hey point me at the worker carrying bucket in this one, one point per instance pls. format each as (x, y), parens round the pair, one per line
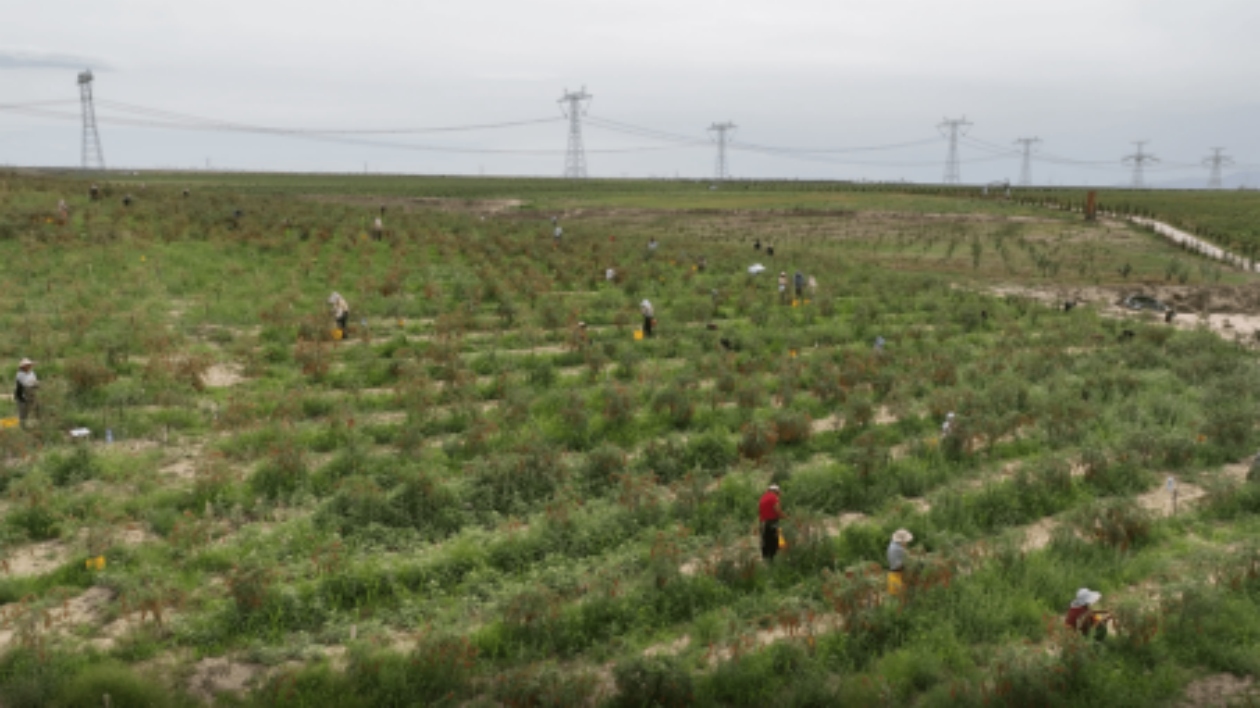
(897, 562)
(341, 313)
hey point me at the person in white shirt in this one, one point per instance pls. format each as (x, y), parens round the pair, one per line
(24, 392)
(648, 317)
(340, 310)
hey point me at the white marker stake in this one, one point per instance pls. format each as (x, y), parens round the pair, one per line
(1171, 486)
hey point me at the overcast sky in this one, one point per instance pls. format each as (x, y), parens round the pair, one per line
(1086, 76)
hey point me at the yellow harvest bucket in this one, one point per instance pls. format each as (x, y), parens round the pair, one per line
(338, 335)
(896, 586)
(6, 423)
(97, 563)
(796, 303)
(782, 541)
(638, 335)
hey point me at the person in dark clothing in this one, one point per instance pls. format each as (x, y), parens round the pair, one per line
(798, 281)
(770, 514)
(649, 317)
(757, 245)
(769, 250)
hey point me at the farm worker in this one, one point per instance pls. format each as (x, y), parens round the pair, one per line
(813, 286)
(555, 235)
(948, 425)
(879, 345)
(94, 192)
(649, 317)
(610, 274)
(1169, 315)
(757, 245)
(1085, 620)
(799, 281)
(580, 340)
(782, 285)
(127, 200)
(377, 229)
(652, 245)
(769, 250)
(897, 561)
(62, 210)
(24, 392)
(340, 310)
(702, 264)
(770, 513)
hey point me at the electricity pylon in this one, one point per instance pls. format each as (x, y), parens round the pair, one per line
(953, 171)
(1216, 161)
(93, 156)
(1140, 160)
(574, 105)
(721, 130)
(1025, 171)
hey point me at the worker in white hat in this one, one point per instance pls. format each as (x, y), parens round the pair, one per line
(340, 311)
(1083, 618)
(24, 392)
(897, 561)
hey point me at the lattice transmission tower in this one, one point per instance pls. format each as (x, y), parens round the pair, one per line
(1025, 170)
(574, 105)
(953, 169)
(1140, 160)
(721, 135)
(93, 156)
(1216, 161)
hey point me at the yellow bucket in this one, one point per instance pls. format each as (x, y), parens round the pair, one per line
(796, 303)
(6, 423)
(338, 335)
(782, 541)
(896, 586)
(638, 335)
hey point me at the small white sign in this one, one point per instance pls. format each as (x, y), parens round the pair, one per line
(80, 433)
(1171, 485)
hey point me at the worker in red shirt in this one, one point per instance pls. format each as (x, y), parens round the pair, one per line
(1082, 617)
(770, 514)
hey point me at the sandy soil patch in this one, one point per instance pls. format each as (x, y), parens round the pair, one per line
(1160, 500)
(1219, 690)
(36, 559)
(217, 675)
(223, 375)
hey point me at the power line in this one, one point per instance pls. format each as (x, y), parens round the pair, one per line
(1139, 160)
(575, 154)
(721, 129)
(953, 171)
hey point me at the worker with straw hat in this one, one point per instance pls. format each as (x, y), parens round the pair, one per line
(24, 392)
(1085, 620)
(897, 561)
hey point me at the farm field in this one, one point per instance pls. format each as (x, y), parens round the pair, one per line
(469, 501)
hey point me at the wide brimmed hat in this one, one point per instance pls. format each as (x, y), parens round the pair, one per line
(25, 362)
(902, 536)
(774, 487)
(1085, 596)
